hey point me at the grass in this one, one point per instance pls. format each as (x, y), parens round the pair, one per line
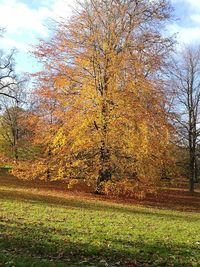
(46, 228)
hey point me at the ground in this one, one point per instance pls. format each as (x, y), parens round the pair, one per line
(49, 226)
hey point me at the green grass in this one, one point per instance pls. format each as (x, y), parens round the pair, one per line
(44, 228)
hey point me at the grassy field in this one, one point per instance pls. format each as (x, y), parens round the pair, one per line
(43, 227)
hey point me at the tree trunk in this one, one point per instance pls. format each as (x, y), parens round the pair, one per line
(196, 170)
(16, 155)
(49, 168)
(192, 172)
(191, 186)
(105, 168)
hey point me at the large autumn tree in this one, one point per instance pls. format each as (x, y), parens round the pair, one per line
(103, 69)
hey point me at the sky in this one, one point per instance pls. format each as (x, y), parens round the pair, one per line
(25, 20)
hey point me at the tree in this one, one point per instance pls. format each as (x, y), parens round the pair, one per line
(8, 78)
(11, 94)
(185, 78)
(15, 131)
(102, 67)
(44, 122)
(10, 132)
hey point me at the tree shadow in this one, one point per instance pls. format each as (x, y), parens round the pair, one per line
(38, 242)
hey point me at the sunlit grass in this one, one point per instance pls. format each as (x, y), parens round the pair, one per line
(40, 229)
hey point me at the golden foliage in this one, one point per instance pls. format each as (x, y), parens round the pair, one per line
(101, 112)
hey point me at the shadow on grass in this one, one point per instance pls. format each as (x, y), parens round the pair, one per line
(35, 242)
(92, 205)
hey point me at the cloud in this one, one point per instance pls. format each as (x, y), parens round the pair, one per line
(187, 25)
(25, 21)
(193, 3)
(61, 8)
(24, 24)
(18, 17)
(185, 35)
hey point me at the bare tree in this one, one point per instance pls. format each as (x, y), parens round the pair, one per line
(185, 77)
(8, 78)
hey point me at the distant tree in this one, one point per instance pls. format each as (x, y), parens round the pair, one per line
(8, 78)
(12, 98)
(14, 132)
(185, 78)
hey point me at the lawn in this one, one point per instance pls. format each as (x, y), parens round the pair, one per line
(41, 227)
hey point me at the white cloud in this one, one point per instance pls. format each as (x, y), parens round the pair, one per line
(16, 16)
(187, 26)
(61, 8)
(25, 24)
(185, 35)
(10, 43)
(191, 3)
(25, 21)
(195, 18)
